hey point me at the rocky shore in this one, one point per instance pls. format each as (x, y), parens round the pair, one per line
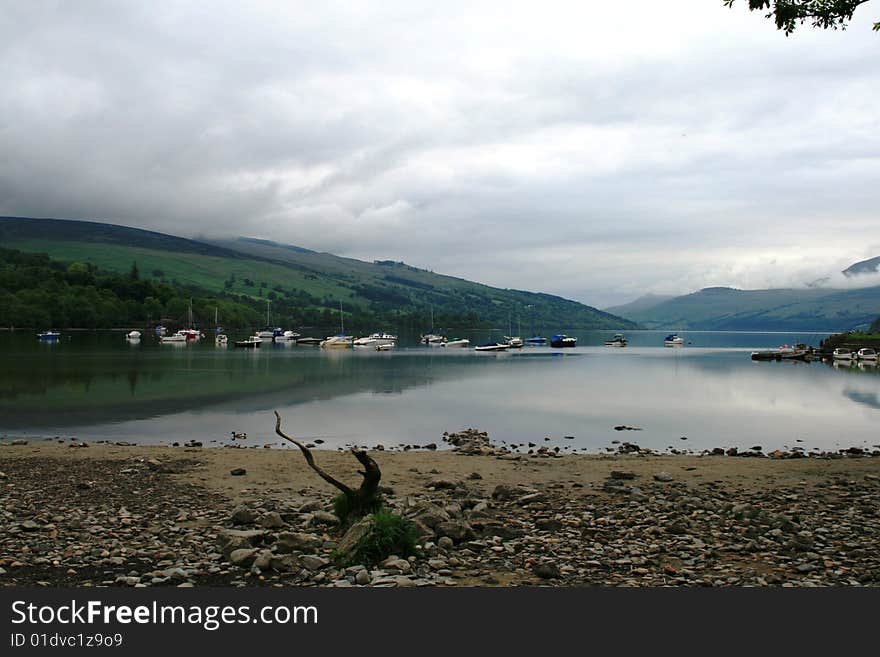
(153, 516)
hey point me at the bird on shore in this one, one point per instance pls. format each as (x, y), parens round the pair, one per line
(238, 435)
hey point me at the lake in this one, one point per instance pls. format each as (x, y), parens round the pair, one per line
(96, 386)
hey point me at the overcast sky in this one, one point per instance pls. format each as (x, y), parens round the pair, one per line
(597, 150)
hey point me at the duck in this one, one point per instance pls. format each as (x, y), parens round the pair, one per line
(238, 435)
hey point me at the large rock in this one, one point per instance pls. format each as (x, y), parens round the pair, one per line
(243, 516)
(243, 557)
(324, 518)
(290, 541)
(236, 539)
(430, 515)
(353, 536)
(314, 562)
(271, 520)
(456, 530)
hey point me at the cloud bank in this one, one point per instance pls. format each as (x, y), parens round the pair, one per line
(593, 150)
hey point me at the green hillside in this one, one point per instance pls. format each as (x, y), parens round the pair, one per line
(722, 308)
(307, 281)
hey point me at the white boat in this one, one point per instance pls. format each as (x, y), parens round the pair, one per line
(340, 340)
(133, 335)
(842, 353)
(221, 339)
(673, 340)
(49, 335)
(461, 342)
(252, 342)
(177, 337)
(514, 342)
(617, 341)
(433, 340)
(491, 346)
(286, 336)
(867, 353)
(375, 339)
(160, 330)
(337, 342)
(385, 347)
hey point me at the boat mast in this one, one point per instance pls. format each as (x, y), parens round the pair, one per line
(341, 320)
(189, 314)
(267, 313)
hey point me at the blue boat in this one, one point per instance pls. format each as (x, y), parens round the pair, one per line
(49, 335)
(537, 339)
(562, 340)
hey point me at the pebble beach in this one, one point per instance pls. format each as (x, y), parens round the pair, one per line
(110, 515)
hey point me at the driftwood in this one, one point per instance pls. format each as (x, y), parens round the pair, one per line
(362, 500)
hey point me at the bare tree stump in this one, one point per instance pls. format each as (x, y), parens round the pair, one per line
(360, 501)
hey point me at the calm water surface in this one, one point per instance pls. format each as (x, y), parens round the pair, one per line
(95, 386)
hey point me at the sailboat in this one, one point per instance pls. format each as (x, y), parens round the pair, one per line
(268, 333)
(340, 341)
(190, 333)
(432, 338)
(514, 342)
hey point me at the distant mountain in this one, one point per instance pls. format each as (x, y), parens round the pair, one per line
(870, 266)
(724, 308)
(382, 291)
(641, 304)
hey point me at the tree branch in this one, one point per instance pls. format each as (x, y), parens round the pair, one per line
(314, 466)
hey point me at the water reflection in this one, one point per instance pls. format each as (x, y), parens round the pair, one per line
(712, 396)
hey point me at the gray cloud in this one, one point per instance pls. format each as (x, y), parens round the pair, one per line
(596, 152)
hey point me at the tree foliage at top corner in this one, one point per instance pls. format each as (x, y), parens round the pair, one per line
(825, 14)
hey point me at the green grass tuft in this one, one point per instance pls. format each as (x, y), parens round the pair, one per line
(389, 534)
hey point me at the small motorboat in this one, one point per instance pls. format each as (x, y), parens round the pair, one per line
(562, 340)
(673, 340)
(49, 335)
(457, 342)
(375, 340)
(617, 341)
(339, 341)
(285, 336)
(133, 335)
(221, 340)
(433, 340)
(388, 346)
(252, 342)
(514, 342)
(842, 353)
(536, 340)
(491, 346)
(308, 340)
(177, 337)
(867, 353)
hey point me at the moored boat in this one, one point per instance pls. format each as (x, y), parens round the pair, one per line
(491, 346)
(842, 353)
(133, 336)
(673, 340)
(514, 342)
(561, 340)
(537, 340)
(308, 340)
(221, 340)
(867, 353)
(49, 335)
(617, 341)
(457, 342)
(337, 342)
(252, 342)
(375, 339)
(177, 337)
(433, 340)
(385, 347)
